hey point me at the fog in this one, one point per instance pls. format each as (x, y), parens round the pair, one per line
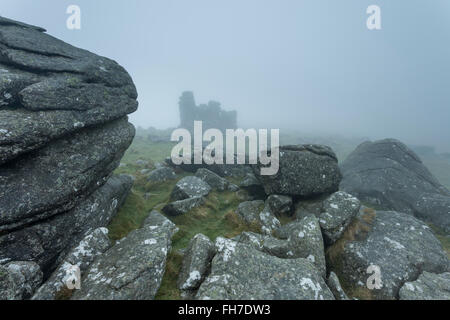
(312, 66)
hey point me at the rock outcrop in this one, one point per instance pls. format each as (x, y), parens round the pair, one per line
(63, 131)
(390, 176)
(428, 286)
(305, 171)
(401, 246)
(134, 267)
(240, 272)
(211, 115)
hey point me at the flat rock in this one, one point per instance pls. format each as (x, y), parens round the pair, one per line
(215, 181)
(162, 174)
(180, 207)
(240, 272)
(19, 280)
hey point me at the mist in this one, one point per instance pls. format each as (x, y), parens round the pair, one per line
(309, 66)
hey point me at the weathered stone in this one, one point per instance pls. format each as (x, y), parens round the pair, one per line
(91, 247)
(190, 187)
(43, 242)
(305, 170)
(390, 176)
(196, 262)
(57, 177)
(213, 180)
(398, 244)
(335, 287)
(133, 268)
(180, 207)
(161, 175)
(339, 210)
(240, 272)
(428, 286)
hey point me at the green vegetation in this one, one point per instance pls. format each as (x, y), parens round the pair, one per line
(215, 218)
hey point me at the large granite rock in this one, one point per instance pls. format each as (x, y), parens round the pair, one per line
(240, 272)
(51, 89)
(19, 280)
(398, 244)
(133, 268)
(45, 241)
(63, 130)
(57, 177)
(390, 176)
(196, 262)
(305, 170)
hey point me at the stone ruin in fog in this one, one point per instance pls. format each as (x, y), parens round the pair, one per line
(211, 114)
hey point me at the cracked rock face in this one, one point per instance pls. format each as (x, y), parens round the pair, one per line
(63, 130)
(400, 245)
(190, 187)
(240, 272)
(305, 170)
(339, 210)
(133, 268)
(388, 175)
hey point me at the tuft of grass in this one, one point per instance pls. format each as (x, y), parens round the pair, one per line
(168, 289)
(442, 237)
(358, 230)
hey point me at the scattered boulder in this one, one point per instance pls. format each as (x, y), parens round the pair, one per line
(92, 246)
(249, 210)
(279, 204)
(196, 262)
(162, 174)
(390, 176)
(339, 210)
(213, 180)
(190, 187)
(305, 170)
(398, 244)
(180, 207)
(240, 272)
(428, 286)
(268, 220)
(19, 280)
(133, 268)
(253, 186)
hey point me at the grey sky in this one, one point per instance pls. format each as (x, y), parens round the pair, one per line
(308, 65)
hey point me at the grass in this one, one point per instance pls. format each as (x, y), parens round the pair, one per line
(442, 237)
(356, 231)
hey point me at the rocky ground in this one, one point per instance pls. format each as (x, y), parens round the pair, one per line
(74, 193)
